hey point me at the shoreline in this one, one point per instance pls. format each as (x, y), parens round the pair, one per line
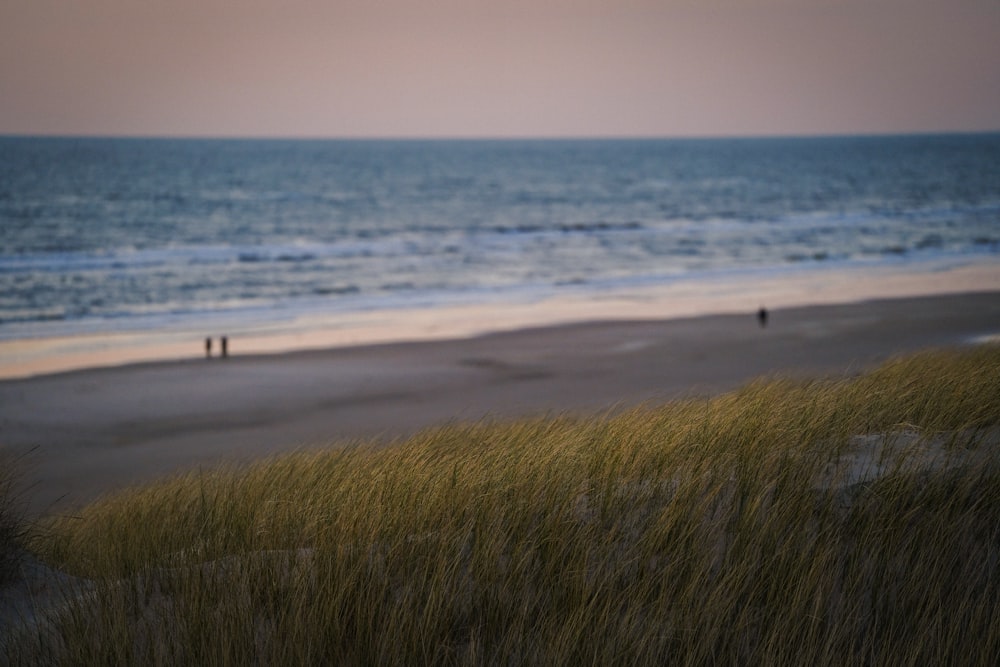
(740, 292)
(89, 432)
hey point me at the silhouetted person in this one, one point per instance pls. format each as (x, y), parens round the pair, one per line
(208, 348)
(762, 317)
(225, 346)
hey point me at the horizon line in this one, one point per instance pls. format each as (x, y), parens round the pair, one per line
(492, 138)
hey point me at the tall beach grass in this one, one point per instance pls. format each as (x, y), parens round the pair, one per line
(830, 522)
(14, 527)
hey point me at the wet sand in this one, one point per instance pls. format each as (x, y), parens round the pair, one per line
(89, 432)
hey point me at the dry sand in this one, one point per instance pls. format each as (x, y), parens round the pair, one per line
(93, 431)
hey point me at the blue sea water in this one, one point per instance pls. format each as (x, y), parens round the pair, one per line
(131, 234)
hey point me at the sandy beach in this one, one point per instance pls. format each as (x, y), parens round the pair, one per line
(88, 432)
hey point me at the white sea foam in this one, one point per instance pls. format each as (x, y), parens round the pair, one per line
(270, 329)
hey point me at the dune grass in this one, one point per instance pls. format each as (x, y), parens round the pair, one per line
(832, 522)
(14, 528)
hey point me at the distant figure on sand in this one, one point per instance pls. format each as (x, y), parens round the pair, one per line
(208, 348)
(225, 346)
(762, 317)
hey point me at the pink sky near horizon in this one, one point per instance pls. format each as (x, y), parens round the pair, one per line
(505, 68)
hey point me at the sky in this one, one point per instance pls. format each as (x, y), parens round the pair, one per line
(498, 68)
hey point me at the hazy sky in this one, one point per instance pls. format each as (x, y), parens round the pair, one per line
(345, 68)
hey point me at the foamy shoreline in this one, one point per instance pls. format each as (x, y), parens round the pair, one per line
(740, 292)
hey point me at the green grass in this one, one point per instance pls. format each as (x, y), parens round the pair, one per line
(727, 530)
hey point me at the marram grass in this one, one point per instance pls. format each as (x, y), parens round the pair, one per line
(833, 522)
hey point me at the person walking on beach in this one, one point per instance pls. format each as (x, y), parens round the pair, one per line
(762, 317)
(225, 346)
(208, 347)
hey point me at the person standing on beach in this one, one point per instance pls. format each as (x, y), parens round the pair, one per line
(762, 317)
(208, 347)
(224, 341)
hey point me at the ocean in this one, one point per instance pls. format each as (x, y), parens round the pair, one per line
(104, 236)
